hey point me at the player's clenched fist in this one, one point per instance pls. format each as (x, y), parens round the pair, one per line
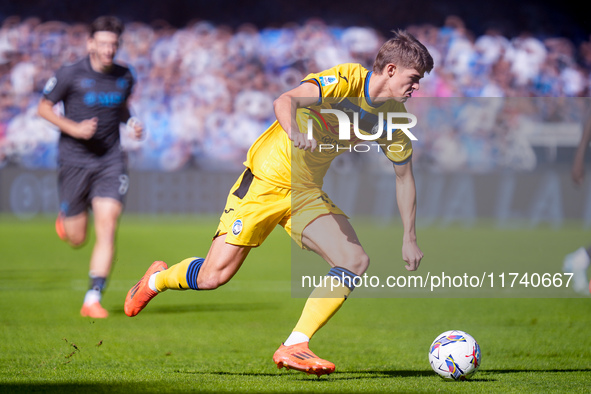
(135, 127)
(86, 128)
(412, 255)
(301, 141)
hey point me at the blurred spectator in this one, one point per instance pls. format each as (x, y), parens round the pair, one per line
(205, 91)
(526, 55)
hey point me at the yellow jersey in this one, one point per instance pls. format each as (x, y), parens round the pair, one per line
(345, 88)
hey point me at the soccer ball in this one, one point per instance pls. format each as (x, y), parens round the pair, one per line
(455, 355)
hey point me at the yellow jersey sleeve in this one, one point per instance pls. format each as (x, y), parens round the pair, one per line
(344, 80)
(398, 149)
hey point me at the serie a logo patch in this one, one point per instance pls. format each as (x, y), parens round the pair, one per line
(328, 80)
(237, 227)
(49, 85)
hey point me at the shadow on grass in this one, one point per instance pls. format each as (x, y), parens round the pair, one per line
(128, 387)
(360, 375)
(221, 307)
(336, 376)
(292, 375)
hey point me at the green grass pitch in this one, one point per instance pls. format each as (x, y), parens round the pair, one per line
(223, 340)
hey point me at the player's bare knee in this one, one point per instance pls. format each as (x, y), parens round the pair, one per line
(77, 240)
(357, 264)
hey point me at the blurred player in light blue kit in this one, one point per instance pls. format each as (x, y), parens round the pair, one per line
(577, 262)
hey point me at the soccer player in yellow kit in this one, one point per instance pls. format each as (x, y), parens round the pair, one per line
(282, 185)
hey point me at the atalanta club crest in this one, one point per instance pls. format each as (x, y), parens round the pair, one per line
(237, 227)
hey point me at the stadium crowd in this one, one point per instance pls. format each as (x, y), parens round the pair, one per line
(205, 91)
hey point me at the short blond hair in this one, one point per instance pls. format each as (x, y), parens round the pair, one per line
(404, 50)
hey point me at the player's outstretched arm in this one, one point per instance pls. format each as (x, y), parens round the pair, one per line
(285, 110)
(407, 205)
(83, 130)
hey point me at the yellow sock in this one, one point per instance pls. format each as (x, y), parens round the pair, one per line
(181, 276)
(320, 307)
(325, 301)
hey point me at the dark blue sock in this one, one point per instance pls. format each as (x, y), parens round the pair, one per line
(97, 283)
(193, 272)
(346, 277)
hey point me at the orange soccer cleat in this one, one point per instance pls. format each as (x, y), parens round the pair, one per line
(301, 358)
(140, 294)
(59, 226)
(94, 310)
